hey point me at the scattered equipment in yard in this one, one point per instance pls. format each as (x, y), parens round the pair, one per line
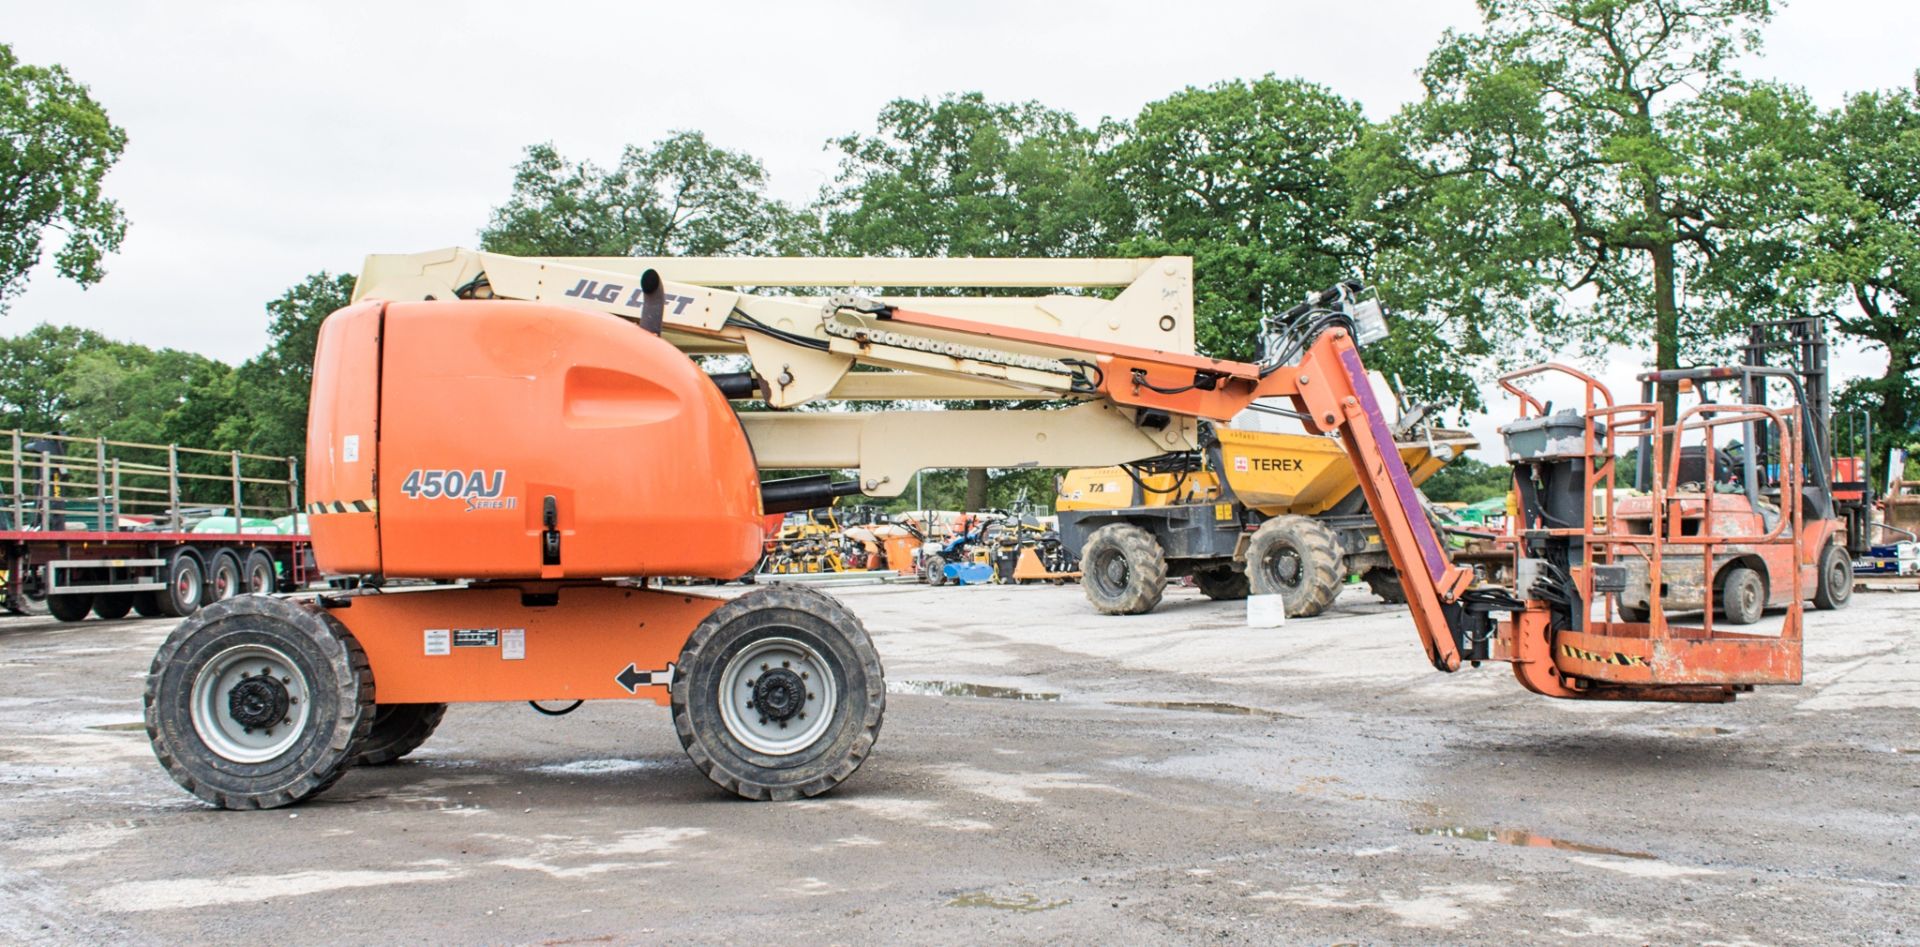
(101, 527)
(610, 454)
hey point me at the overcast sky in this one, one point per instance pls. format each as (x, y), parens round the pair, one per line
(268, 140)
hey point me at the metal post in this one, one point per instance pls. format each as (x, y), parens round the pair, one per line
(116, 495)
(99, 483)
(173, 486)
(237, 512)
(19, 497)
(917, 500)
(293, 490)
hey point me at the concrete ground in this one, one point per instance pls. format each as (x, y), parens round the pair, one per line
(1045, 775)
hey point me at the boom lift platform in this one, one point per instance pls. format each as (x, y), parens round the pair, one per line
(539, 432)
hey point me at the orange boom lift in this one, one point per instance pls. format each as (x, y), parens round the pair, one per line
(536, 458)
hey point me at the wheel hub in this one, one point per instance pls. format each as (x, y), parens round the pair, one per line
(258, 701)
(779, 694)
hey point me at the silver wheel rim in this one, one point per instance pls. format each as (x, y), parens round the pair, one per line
(186, 588)
(226, 581)
(767, 732)
(213, 690)
(260, 581)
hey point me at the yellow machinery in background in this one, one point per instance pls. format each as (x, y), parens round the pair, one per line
(1249, 511)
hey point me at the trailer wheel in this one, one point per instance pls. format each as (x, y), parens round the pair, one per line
(258, 702)
(112, 605)
(261, 577)
(186, 584)
(1221, 583)
(1123, 570)
(779, 694)
(1836, 578)
(1743, 596)
(151, 604)
(398, 729)
(224, 578)
(936, 570)
(1385, 584)
(70, 606)
(1298, 558)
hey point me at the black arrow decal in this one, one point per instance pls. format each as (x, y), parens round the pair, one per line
(632, 678)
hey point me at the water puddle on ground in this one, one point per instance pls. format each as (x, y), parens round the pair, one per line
(133, 726)
(1524, 839)
(1698, 731)
(964, 689)
(1200, 707)
(1022, 903)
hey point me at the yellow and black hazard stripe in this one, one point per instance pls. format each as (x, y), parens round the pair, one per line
(342, 506)
(1624, 660)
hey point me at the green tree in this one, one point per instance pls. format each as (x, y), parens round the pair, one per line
(271, 418)
(963, 176)
(56, 146)
(1563, 149)
(683, 196)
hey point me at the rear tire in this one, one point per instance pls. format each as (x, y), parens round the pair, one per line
(186, 585)
(1385, 584)
(1297, 558)
(779, 694)
(224, 577)
(113, 605)
(258, 702)
(398, 729)
(1123, 570)
(1743, 596)
(70, 606)
(261, 578)
(1836, 579)
(1221, 583)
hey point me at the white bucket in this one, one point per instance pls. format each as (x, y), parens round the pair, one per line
(1266, 611)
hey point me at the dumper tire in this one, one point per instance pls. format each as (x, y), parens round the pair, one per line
(1298, 558)
(202, 694)
(1835, 586)
(1385, 585)
(721, 686)
(1123, 570)
(70, 606)
(1221, 583)
(398, 729)
(1743, 596)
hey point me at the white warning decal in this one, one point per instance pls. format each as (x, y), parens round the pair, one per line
(513, 644)
(439, 641)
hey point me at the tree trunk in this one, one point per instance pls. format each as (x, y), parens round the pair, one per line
(1666, 326)
(976, 489)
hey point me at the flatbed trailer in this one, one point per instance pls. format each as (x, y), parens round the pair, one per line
(92, 526)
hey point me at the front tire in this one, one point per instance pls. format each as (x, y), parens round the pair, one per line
(779, 694)
(1743, 596)
(1836, 579)
(1123, 570)
(1297, 558)
(258, 702)
(398, 729)
(936, 568)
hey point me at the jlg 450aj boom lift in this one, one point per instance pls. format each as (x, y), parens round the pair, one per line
(537, 435)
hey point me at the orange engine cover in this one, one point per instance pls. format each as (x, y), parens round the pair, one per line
(441, 432)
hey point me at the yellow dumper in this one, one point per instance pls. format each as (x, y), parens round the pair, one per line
(1251, 510)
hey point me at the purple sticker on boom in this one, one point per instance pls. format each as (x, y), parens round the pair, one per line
(1396, 468)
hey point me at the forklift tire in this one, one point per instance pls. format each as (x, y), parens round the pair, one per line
(1743, 596)
(398, 729)
(224, 578)
(258, 702)
(70, 606)
(1298, 558)
(260, 576)
(1385, 585)
(1221, 583)
(112, 605)
(1836, 579)
(1123, 570)
(936, 570)
(186, 585)
(779, 694)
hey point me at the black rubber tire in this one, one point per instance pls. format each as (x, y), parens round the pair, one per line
(112, 605)
(935, 569)
(1299, 559)
(1221, 583)
(225, 579)
(1123, 570)
(150, 604)
(822, 623)
(340, 704)
(70, 606)
(1385, 585)
(186, 579)
(398, 729)
(1835, 587)
(258, 575)
(1636, 615)
(1743, 596)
